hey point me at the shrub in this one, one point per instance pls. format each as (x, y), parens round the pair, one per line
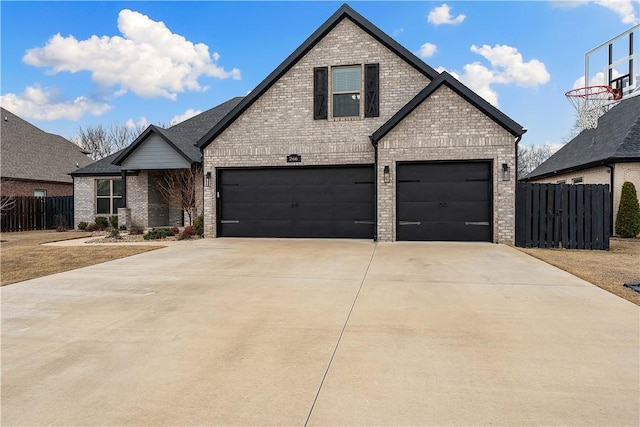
(115, 233)
(187, 233)
(92, 227)
(198, 225)
(158, 233)
(102, 222)
(113, 219)
(628, 217)
(175, 229)
(135, 230)
(82, 225)
(61, 228)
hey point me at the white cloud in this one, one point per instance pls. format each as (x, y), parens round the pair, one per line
(442, 15)
(142, 123)
(507, 67)
(625, 9)
(148, 60)
(427, 50)
(511, 68)
(184, 116)
(47, 104)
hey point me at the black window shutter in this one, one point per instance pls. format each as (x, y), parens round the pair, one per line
(372, 90)
(320, 92)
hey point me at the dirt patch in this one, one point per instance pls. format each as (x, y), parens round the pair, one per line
(609, 270)
(23, 257)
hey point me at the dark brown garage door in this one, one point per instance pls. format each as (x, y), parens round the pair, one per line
(336, 202)
(444, 201)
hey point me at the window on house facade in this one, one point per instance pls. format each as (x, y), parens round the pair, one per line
(349, 94)
(562, 181)
(39, 193)
(346, 91)
(576, 180)
(108, 196)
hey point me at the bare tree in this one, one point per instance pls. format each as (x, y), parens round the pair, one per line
(532, 156)
(178, 187)
(6, 202)
(101, 142)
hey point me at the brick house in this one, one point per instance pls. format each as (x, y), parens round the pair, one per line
(353, 136)
(608, 154)
(129, 176)
(35, 162)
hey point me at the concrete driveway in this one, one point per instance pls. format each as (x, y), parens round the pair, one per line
(319, 332)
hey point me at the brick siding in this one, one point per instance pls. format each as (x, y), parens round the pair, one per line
(445, 127)
(281, 121)
(26, 188)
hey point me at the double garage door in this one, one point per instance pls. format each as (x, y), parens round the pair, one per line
(435, 201)
(334, 202)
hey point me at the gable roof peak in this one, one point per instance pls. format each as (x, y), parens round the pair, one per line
(344, 11)
(454, 84)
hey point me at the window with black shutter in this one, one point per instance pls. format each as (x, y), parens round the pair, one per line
(371, 90)
(320, 92)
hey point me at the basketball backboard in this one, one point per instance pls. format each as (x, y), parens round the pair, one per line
(615, 63)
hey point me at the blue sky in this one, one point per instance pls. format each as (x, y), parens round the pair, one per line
(71, 64)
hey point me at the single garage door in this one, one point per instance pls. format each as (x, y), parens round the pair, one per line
(328, 202)
(444, 201)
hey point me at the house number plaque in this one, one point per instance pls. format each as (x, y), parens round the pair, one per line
(294, 158)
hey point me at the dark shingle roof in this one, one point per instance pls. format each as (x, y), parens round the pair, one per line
(32, 154)
(451, 82)
(617, 138)
(344, 12)
(101, 167)
(196, 127)
(184, 136)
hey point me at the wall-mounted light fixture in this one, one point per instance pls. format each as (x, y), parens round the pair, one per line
(386, 175)
(207, 179)
(506, 172)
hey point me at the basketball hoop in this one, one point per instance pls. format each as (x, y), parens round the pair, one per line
(591, 102)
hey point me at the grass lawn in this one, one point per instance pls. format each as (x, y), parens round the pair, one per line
(22, 256)
(609, 270)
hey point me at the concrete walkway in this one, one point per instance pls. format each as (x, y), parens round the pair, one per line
(319, 332)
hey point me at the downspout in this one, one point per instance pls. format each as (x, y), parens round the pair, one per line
(611, 182)
(518, 139)
(375, 184)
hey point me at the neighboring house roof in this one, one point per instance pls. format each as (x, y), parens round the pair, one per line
(616, 139)
(29, 153)
(344, 12)
(182, 137)
(451, 82)
(101, 167)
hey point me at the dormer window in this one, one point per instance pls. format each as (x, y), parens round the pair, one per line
(346, 91)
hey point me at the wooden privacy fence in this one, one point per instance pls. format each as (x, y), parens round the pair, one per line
(563, 215)
(37, 213)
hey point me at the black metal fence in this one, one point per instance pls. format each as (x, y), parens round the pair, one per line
(36, 213)
(563, 215)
